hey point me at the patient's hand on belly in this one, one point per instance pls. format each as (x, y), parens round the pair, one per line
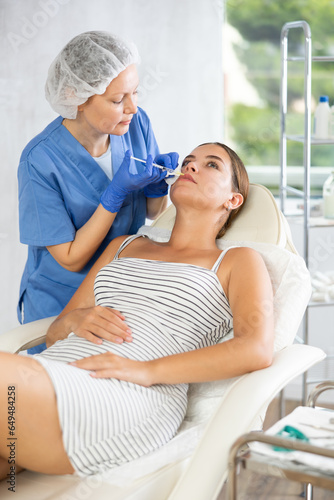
(94, 324)
(109, 365)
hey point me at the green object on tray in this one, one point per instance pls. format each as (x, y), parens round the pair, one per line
(290, 432)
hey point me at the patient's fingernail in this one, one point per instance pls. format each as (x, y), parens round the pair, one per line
(128, 338)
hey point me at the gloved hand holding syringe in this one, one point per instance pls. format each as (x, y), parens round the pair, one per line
(169, 170)
(154, 182)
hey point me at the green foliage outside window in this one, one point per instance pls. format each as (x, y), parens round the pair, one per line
(255, 130)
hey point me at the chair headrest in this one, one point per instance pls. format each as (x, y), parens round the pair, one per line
(260, 219)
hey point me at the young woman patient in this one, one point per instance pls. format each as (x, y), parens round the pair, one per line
(146, 321)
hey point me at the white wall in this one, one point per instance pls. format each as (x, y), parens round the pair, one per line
(181, 75)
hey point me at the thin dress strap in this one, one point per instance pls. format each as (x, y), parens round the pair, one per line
(126, 242)
(216, 265)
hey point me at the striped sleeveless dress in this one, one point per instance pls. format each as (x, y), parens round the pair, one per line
(171, 308)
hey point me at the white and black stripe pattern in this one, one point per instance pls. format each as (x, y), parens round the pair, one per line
(171, 308)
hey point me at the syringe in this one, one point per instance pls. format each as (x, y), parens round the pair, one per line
(169, 170)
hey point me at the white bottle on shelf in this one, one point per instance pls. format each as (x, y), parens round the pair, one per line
(328, 195)
(331, 123)
(321, 118)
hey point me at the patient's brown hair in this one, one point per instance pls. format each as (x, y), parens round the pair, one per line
(240, 183)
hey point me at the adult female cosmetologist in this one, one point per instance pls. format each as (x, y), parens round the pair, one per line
(78, 188)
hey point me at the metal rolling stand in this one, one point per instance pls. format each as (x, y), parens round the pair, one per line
(269, 466)
(307, 140)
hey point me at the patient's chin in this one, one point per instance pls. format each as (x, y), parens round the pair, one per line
(180, 196)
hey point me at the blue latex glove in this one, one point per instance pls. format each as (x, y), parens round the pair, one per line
(124, 183)
(160, 188)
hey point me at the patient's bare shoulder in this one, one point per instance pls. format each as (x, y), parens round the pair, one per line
(241, 253)
(116, 242)
(242, 256)
(111, 250)
(239, 264)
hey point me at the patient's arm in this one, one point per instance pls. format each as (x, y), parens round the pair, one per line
(82, 317)
(247, 285)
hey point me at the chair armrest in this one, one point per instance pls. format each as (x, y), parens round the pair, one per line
(207, 470)
(25, 336)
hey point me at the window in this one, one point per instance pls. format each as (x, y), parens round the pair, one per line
(252, 83)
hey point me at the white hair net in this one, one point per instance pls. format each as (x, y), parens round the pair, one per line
(85, 67)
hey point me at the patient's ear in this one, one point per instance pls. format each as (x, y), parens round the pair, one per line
(234, 202)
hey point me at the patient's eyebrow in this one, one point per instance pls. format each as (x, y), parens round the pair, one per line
(209, 157)
(216, 158)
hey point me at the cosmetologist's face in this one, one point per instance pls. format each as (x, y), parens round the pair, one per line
(112, 112)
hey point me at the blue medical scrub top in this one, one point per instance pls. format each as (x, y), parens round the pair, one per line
(60, 186)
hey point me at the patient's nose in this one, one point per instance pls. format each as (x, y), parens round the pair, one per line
(190, 167)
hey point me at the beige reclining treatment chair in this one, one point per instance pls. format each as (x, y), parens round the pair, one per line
(219, 412)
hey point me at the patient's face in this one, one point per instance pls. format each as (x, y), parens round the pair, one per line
(207, 178)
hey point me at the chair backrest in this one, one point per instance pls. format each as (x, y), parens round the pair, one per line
(260, 220)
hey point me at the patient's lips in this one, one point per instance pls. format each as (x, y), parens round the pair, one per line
(187, 177)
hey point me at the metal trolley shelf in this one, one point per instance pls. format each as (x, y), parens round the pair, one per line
(306, 139)
(269, 466)
(300, 138)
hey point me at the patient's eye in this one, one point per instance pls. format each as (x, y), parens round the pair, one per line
(213, 164)
(185, 162)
